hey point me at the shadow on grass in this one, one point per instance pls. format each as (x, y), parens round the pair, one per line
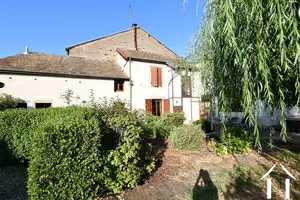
(246, 181)
(204, 188)
(245, 185)
(13, 175)
(13, 184)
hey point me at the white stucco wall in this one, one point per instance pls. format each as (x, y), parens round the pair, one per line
(44, 89)
(142, 89)
(141, 77)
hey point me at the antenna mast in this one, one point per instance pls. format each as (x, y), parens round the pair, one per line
(130, 15)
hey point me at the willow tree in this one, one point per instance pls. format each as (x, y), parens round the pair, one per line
(250, 52)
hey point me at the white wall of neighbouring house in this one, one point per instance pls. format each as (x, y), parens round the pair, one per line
(45, 89)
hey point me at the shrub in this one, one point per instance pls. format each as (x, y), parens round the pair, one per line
(173, 119)
(7, 102)
(78, 152)
(17, 126)
(127, 162)
(160, 127)
(67, 159)
(187, 137)
(232, 140)
(206, 125)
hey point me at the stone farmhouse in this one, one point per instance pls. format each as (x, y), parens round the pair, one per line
(131, 65)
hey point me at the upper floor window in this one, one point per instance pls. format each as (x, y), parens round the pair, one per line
(119, 86)
(156, 77)
(186, 86)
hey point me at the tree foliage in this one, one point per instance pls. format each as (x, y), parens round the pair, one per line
(249, 51)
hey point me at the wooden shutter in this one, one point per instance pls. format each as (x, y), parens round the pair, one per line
(148, 105)
(159, 77)
(166, 105)
(154, 81)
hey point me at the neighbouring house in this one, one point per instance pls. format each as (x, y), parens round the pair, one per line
(130, 64)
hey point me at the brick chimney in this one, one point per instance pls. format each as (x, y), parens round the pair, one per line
(134, 27)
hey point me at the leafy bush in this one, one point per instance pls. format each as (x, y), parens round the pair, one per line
(187, 137)
(17, 126)
(160, 127)
(206, 125)
(173, 119)
(78, 152)
(232, 140)
(127, 162)
(67, 159)
(7, 102)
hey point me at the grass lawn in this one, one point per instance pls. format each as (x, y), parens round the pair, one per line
(243, 180)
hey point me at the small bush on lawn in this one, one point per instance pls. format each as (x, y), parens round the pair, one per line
(160, 127)
(187, 137)
(233, 140)
(173, 119)
(7, 102)
(206, 125)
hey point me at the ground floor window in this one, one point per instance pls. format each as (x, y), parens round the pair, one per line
(119, 86)
(42, 105)
(156, 107)
(22, 105)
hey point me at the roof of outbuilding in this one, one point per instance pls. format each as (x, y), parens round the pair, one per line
(68, 65)
(143, 55)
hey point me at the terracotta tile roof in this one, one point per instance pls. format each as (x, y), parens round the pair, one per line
(69, 65)
(143, 55)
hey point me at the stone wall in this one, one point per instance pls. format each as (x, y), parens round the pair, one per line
(105, 48)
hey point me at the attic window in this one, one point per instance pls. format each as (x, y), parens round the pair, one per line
(119, 86)
(2, 85)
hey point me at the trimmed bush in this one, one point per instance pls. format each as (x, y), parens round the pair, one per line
(160, 127)
(17, 126)
(187, 137)
(233, 140)
(78, 152)
(7, 102)
(67, 159)
(173, 119)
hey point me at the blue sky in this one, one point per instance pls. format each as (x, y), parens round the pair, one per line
(50, 26)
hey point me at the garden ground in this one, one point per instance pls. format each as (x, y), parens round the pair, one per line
(195, 175)
(204, 175)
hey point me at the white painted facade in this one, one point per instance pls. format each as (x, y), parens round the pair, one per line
(171, 87)
(34, 89)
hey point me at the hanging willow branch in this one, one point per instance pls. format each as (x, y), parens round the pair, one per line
(250, 52)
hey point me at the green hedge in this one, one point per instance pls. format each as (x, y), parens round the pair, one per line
(67, 159)
(187, 137)
(78, 152)
(17, 126)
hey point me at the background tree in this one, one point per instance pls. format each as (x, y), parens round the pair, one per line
(249, 50)
(7, 102)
